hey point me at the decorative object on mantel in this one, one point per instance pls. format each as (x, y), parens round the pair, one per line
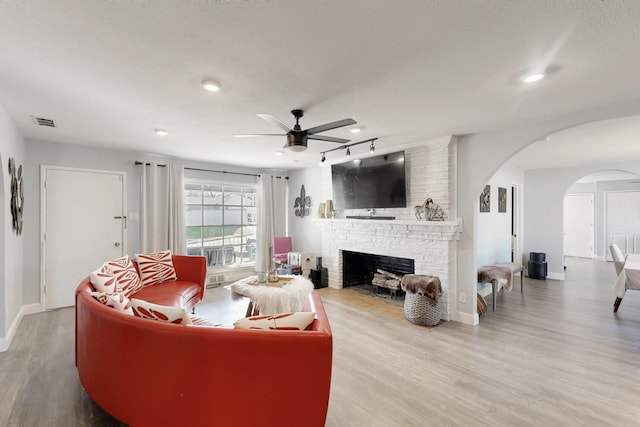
(502, 199)
(302, 204)
(17, 195)
(485, 199)
(328, 209)
(431, 211)
(321, 210)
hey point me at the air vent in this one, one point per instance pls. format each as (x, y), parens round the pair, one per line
(40, 121)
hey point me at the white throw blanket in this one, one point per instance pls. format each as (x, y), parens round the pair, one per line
(274, 299)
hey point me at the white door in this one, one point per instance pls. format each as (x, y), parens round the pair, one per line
(83, 226)
(623, 221)
(578, 225)
(516, 227)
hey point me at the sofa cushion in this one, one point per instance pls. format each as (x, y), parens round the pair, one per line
(285, 321)
(126, 275)
(156, 268)
(159, 312)
(104, 280)
(118, 301)
(175, 294)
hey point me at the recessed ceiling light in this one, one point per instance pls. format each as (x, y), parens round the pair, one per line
(355, 130)
(530, 78)
(161, 132)
(211, 85)
(279, 153)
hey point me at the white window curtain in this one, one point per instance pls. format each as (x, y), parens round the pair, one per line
(272, 221)
(162, 224)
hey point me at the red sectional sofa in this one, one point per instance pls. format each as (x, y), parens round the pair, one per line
(148, 373)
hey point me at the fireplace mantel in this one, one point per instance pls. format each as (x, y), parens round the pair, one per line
(431, 230)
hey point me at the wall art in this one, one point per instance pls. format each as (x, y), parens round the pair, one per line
(17, 195)
(502, 199)
(302, 204)
(485, 199)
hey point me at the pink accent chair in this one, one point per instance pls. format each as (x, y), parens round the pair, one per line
(281, 247)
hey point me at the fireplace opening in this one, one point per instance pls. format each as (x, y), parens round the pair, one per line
(358, 268)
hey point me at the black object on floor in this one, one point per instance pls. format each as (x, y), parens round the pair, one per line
(537, 265)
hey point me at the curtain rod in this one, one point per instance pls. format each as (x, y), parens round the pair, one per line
(147, 164)
(211, 170)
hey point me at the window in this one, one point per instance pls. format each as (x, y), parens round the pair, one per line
(221, 222)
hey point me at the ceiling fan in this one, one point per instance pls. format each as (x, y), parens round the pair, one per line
(296, 137)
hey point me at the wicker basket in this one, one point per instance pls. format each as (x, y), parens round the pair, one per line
(421, 310)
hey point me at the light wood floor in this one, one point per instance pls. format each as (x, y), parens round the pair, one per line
(554, 356)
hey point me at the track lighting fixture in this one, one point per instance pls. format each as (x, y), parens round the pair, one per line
(372, 148)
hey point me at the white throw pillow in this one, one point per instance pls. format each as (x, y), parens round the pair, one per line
(162, 313)
(118, 301)
(284, 321)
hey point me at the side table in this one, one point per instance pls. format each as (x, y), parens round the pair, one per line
(319, 277)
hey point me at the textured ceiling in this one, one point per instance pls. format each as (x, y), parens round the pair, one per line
(407, 71)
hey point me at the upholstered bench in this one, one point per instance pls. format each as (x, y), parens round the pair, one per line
(515, 267)
(500, 275)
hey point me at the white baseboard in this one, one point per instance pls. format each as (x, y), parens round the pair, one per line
(25, 310)
(555, 276)
(552, 276)
(468, 319)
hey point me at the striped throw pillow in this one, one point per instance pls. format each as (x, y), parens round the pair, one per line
(297, 321)
(118, 301)
(104, 280)
(156, 268)
(161, 313)
(126, 275)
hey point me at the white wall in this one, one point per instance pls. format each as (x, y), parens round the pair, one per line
(68, 155)
(494, 228)
(11, 248)
(304, 234)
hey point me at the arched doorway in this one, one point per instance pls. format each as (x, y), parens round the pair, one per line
(615, 203)
(548, 168)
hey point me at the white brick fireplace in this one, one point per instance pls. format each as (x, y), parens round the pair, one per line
(431, 170)
(431, 244)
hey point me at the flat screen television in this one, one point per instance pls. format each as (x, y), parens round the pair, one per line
(372, 182)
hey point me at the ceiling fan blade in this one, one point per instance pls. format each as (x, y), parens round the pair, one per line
(251, 135)
(332, 125)
(328, 138)
(271, 119)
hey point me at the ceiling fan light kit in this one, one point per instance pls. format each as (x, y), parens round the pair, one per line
(297, 138)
